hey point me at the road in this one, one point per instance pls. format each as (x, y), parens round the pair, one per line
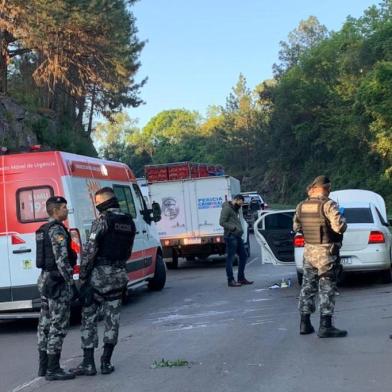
(235, 339)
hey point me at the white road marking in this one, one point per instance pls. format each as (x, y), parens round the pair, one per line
(258, 299)
(25, 385)
(252, 261)
(174, 317)
(187, 327)
(263, 322)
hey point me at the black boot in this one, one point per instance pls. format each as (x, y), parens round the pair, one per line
(106, 366)
(87, 366)
(305, 327)
(43, 363)
(54, 371)
(327, 330)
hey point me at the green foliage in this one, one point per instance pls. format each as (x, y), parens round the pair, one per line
(70, 60)
(328, 111)
(64, 138)
(164, 363)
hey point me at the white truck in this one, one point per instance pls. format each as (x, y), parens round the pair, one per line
(190, 216)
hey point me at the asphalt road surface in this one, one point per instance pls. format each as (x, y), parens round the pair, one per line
(234, 339)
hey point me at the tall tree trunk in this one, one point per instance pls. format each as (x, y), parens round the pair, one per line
(91, 115)
(3, 62)
(81, 107)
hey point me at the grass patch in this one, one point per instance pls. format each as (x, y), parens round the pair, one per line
(164, 363)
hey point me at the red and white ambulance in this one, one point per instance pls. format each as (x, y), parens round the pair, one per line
(27, 180)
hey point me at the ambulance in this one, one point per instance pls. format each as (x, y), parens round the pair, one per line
(27, 180)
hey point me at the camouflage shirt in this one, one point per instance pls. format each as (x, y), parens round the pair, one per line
(331, 212)
(320, 256)
(98, 229)
(104, 278)
(58, 237)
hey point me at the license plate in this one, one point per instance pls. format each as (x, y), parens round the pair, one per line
(192, 241)
(346, 260)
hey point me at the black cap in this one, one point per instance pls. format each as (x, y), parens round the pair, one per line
(56, 200)
(238, 197)
(320, 181)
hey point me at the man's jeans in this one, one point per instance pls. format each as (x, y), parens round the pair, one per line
(235, 245)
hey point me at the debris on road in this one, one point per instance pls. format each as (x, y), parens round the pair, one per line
(284, 284)
(163, 363)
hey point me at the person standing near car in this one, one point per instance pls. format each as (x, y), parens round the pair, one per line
(231, 223)
(322, 225)
(56, 259)
(104, 279)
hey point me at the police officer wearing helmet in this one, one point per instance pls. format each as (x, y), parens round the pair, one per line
(56, 259)
(104, 279)
(322, 225)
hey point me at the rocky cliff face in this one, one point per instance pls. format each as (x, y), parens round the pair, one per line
(16, 124)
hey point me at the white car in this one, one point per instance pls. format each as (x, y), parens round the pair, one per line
(366, 243)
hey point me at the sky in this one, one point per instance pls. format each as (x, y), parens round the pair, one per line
(196, 49)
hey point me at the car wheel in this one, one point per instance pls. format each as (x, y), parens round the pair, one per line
(157, 283)
(386, 276)
(300, 278)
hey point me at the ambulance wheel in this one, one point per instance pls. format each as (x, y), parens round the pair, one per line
(174, 262)
(299, 278)
(157, 283)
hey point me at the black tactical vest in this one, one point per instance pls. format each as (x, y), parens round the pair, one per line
(45, 258)
(116, 244)
(315, 225)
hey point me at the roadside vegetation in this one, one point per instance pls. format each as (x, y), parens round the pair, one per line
(69, 61)
(328, 108)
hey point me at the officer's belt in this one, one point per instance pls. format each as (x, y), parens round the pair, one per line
(113, 263)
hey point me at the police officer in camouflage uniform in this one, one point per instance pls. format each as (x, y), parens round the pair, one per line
(56, 259)
(322, 225)
(104, 279)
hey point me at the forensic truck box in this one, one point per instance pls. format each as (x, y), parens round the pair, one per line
(27, 180)
(189, 226)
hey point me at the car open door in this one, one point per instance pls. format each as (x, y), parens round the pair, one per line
(274, 233)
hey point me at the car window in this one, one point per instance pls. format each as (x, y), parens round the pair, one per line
(125, 199)
(280, 221)
(248, 198)
(358, 215)
(381, 218)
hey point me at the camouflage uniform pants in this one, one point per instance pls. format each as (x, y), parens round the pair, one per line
(89, 329)
(320, 276)
(53, 322)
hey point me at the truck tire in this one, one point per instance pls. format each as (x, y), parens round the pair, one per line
(174, 262)
(299, 278)
(157, 283)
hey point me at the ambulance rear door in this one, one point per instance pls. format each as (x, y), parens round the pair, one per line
(25, 206)
(5, 275)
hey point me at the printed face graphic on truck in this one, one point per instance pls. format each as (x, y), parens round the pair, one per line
(169, 207)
